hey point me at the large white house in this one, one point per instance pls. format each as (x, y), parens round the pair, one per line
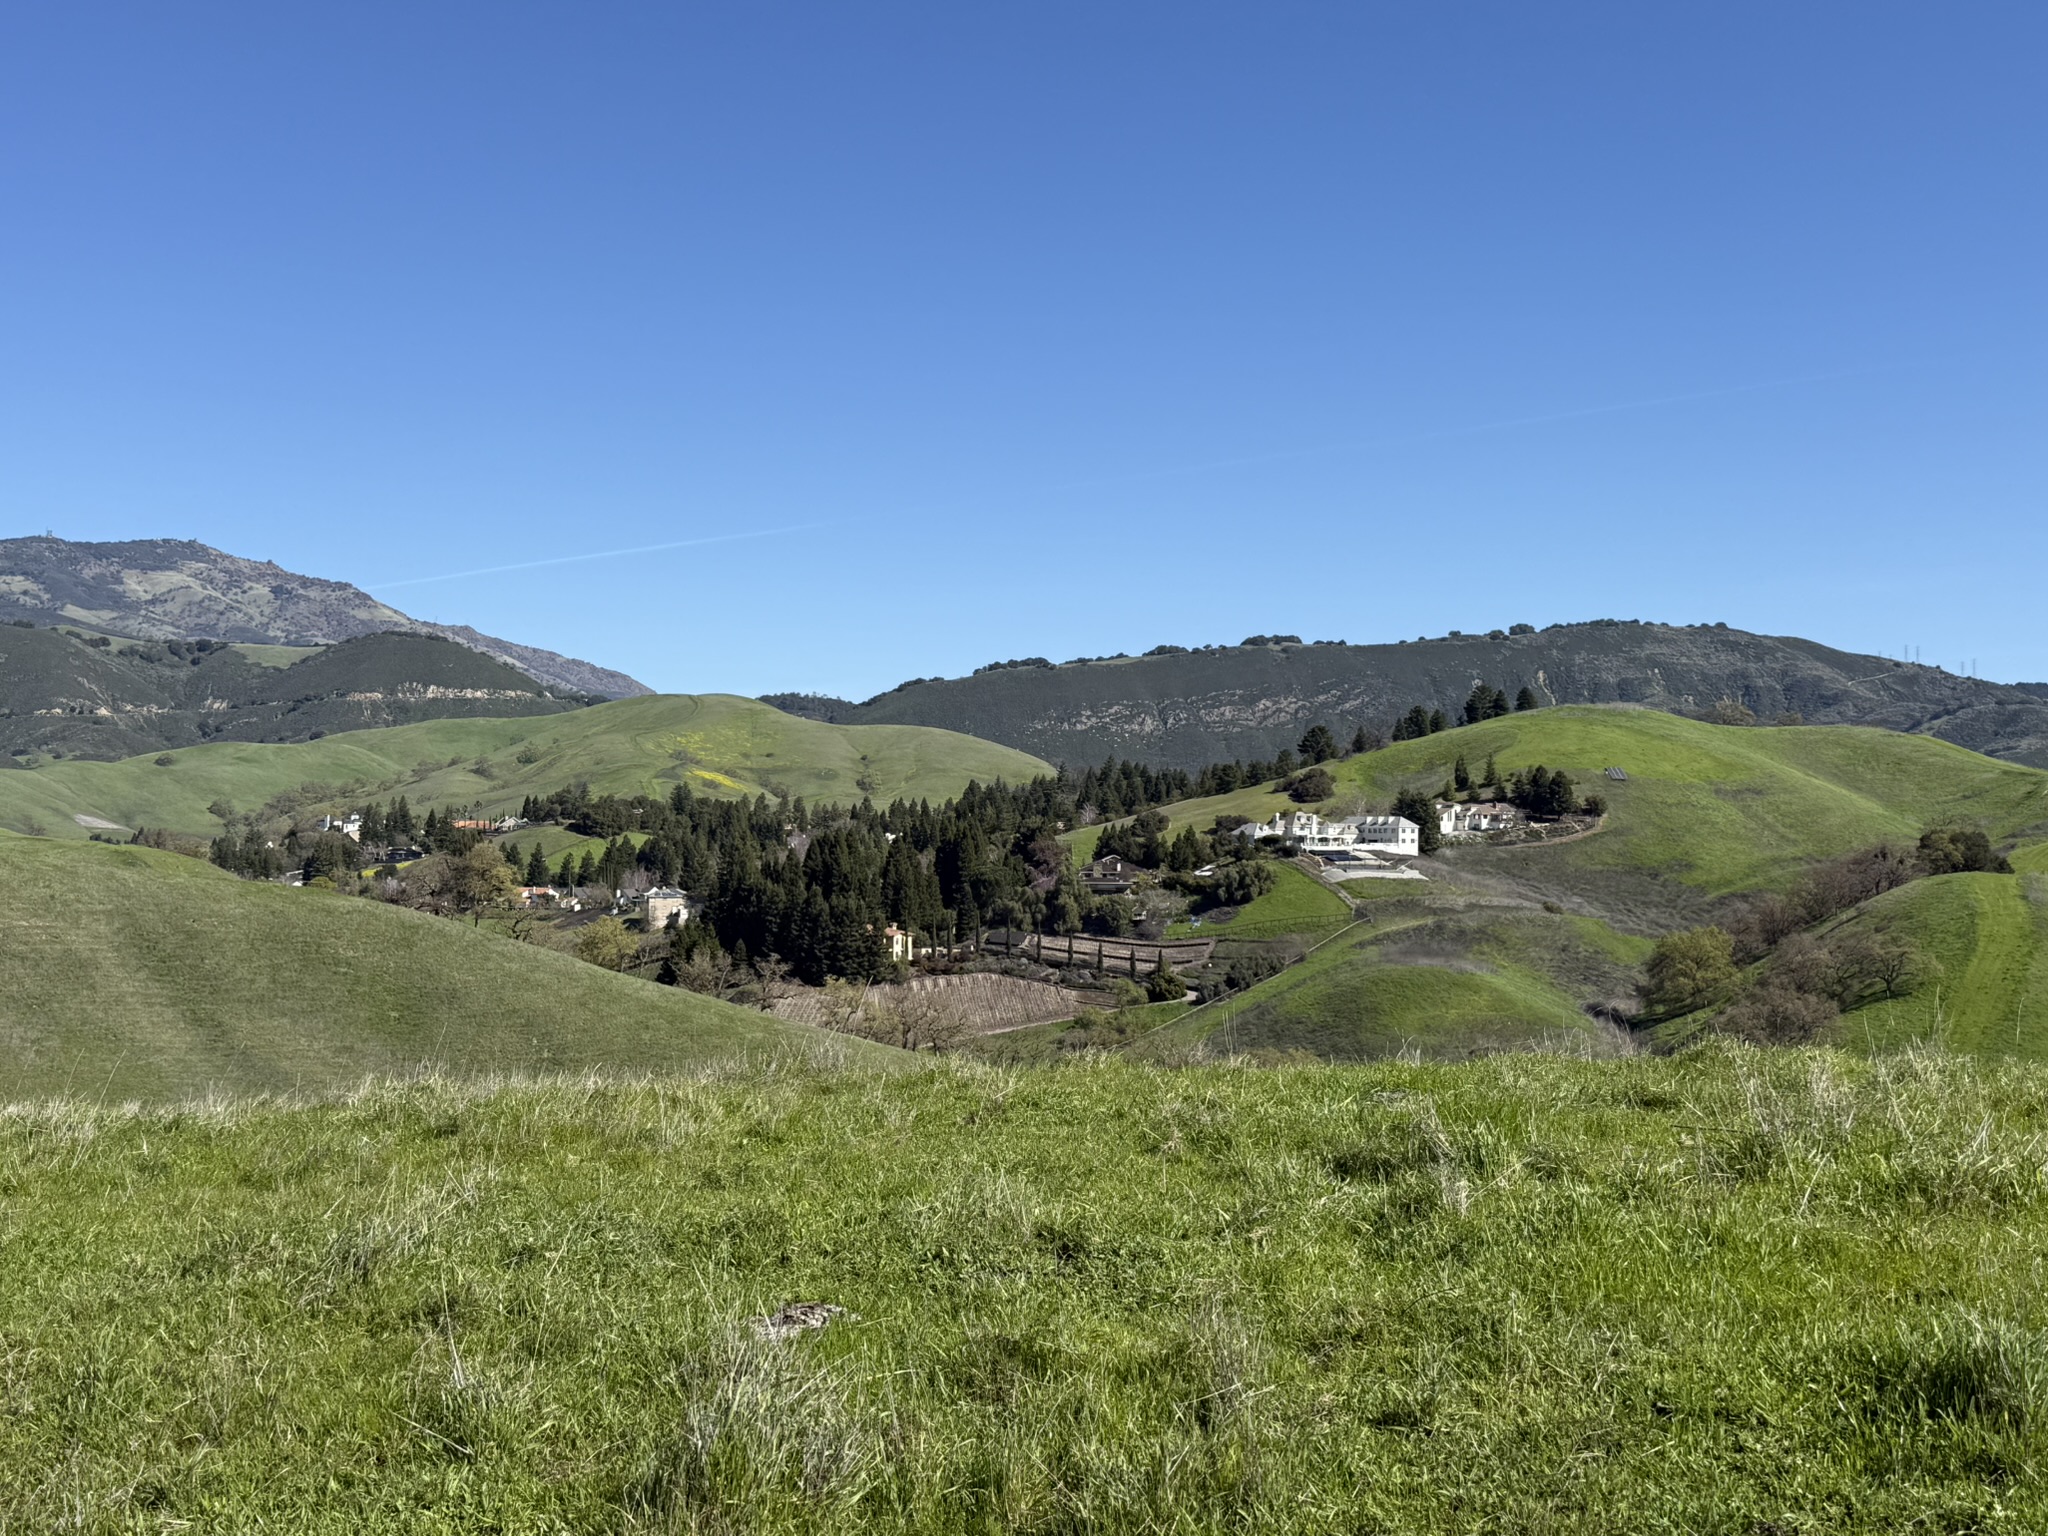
(1395, 835)
(1304, 827)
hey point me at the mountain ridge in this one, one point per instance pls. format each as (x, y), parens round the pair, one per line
(1185, 708)
(67, 693)
(180, 589)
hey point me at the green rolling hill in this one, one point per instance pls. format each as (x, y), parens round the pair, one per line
(1518, 945)
(1988, 936)
(131, 974)
(1426, 977)
(717, 744)
(1706, 810)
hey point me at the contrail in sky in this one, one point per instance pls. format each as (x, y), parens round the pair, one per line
(600, 554)
(1484, 426)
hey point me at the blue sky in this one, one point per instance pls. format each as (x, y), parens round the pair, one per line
(1051, 330)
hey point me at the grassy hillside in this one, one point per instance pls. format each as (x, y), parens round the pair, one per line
(129, 973)
(1988, 938)
(1711, 808)
(1510, 946)
(1425, 975)
(1297, 904)
(1728, 1293)
(718, 745)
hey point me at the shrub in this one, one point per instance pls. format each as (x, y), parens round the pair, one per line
(607, 943)
(1164, 984)
(1960, 850)
(1728, 711)
(1310, 786)
(1778, 1014)
(1685, 967)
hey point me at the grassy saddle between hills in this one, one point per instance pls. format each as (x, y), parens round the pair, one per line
(1728, 1293)
(127, 973)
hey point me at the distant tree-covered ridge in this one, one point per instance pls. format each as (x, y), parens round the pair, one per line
(1188, 706)
(69, 692)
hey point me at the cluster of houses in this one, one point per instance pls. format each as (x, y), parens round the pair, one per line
(1393, 836)
(1349, 847)
(350, 825)
(658, 908)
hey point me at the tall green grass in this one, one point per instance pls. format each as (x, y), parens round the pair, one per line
(1724, 1293)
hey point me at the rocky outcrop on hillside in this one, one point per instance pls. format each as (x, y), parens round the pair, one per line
(1194, 707)
(177, 589)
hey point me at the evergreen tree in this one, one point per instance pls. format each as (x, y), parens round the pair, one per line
(1436, 721)
(1412, 725)
(565, 875)
(1476, 703)
(1461, 776)
(1317, 745)
(536, 867)
(586, 869)
(1526, 699)
(1188, 851)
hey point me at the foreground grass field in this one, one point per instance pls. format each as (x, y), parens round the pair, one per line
(1723, 1293)
(717, 744)
(130, 973)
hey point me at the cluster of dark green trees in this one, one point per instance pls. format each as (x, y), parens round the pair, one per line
(1484, 702)
(816, 886)
(1542, 791)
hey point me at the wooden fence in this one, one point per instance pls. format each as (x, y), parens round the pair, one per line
(1132, 957)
